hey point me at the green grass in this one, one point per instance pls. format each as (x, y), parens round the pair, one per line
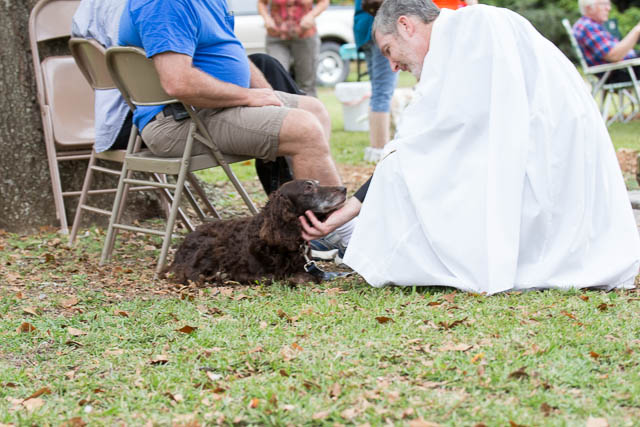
(339, 353)
(278, 355)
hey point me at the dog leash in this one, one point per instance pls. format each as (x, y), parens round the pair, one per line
(312, 268)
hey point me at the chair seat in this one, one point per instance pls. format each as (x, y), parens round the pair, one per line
(148, 162)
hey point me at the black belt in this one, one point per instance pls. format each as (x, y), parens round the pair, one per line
(175, 110)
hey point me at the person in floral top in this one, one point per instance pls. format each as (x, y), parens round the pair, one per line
(292, 37)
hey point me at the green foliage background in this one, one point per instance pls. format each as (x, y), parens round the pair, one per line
(546, 16)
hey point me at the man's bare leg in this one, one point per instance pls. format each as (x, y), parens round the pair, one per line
(303, 138)
(317, 108)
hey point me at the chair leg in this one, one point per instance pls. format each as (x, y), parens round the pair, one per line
(83, 197)
(203, 196)
(167, 200)
(176, 201)
(58, 198)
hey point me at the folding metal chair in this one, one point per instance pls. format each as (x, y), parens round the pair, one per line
(136, 77)
(602, 91)
(90, 57)
(65, 99)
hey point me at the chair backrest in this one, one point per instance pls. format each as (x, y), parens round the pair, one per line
(90, 56)
(574, 43)
(69, 101)
(136, 77)
(65, 98)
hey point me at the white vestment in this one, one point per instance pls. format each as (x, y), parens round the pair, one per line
(503, 176)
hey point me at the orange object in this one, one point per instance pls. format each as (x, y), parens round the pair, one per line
(449, 4)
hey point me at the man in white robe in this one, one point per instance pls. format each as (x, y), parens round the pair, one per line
(502, 175)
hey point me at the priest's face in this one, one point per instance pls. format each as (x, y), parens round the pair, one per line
(405, 50)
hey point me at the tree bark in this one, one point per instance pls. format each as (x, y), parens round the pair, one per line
(26, 198)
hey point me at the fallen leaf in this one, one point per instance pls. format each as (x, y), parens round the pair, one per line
(258, 349)
(569, 315)
(546, 409)
(584, 298)
(520, 374)
(335, 390)
(30, 310)
(477, 357)
(40, 392)
(594, 354)
(434, 303)
(49, 258)
(33, 404)
(76, 332)
(26, 327)
(240, 297)
(597, 422)
(384, 319)
(455, 347)
(604, 307)
(254, 403)
(186, 329)
(213, 376)
(283, 373)
(114, 352)
(450, 297)
(159, 359)
(296, 347)
(121, 313)
(514, 424)
(320, 415)
(451, 325)
(349, 413)
(74, 422)
(175, 397)
(68, 303)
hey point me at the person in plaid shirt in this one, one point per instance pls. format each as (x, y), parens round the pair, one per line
(597, 44)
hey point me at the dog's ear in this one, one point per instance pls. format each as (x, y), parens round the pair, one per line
(280, 226)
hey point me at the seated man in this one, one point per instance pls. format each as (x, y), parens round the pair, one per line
(597, 44)
(100, 20)
(201, 62)
(504, 181)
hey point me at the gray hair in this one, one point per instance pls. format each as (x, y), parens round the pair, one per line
(582, 5)
(386, 21)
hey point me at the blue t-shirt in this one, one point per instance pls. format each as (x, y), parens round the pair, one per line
(362, 24)
(202, 29)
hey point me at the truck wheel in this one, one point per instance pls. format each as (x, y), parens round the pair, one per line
(332, 69)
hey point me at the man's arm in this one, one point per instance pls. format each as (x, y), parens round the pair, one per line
(257, 78)
(181, 80)
(621, 49)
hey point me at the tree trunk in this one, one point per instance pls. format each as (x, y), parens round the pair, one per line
(26, 198)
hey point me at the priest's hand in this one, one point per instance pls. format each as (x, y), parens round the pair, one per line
(313, 228)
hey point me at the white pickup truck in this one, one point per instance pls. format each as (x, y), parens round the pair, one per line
(335, 27)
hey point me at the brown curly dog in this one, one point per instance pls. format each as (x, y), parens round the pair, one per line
(267, 246)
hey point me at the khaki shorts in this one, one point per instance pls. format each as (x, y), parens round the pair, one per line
(249, 131)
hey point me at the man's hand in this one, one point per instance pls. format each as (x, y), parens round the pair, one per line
(263, 97)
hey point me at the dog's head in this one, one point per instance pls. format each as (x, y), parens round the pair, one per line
(292, 200)
(309, 195)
